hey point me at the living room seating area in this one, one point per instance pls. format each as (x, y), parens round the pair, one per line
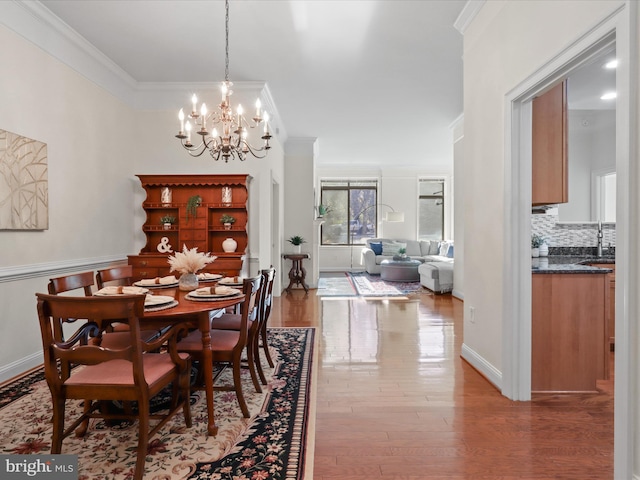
(436, 270)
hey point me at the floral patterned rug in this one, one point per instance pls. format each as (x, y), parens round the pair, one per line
(271, 444)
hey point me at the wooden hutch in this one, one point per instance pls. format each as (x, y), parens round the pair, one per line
(169, 195)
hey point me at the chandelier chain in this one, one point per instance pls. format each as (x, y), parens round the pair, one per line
(232, 139)
(226, 42)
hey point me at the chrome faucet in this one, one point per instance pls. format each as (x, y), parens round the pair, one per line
(599, 248)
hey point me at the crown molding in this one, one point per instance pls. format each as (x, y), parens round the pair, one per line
(467, 14)
(33, 21)
(38, 25)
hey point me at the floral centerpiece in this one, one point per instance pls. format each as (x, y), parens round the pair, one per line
(188, 263)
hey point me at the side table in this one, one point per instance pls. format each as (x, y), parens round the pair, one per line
(297, 273)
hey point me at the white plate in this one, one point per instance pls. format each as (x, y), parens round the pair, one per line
(209, 277)
(229, 282)
(111, 290)
(165, 282)
(232, 293)
(198, 298)
(156, 300)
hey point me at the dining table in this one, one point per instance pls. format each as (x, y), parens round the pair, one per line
(198, 314)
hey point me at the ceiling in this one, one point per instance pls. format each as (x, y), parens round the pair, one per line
(377, 82)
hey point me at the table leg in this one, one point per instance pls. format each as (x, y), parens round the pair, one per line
(297, 275)
(204, 324)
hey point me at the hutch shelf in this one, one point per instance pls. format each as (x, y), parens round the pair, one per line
(200, 226)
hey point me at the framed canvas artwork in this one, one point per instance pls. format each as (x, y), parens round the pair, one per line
(24, 197)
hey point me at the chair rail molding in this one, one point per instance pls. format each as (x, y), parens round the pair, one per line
(36, 270)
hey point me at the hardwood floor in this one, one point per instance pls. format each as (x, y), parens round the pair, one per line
(396, 401)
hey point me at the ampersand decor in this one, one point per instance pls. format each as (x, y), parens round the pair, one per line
(163, 246)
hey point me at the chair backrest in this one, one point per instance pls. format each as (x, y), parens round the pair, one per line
(268, 278)
(82, 348)
(72, 282)
(122, 274)
(248, 310)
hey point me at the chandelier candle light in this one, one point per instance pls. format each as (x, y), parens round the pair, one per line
(232, 140)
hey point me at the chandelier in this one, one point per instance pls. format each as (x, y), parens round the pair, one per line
(231, 140)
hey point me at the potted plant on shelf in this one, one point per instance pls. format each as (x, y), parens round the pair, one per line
(192, 204)
(536, 241)
(227, 221)
(167, 221)
(297, 242)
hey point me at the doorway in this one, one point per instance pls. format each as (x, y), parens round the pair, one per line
(517, 271)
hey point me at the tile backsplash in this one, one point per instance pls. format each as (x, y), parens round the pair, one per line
(571, 234)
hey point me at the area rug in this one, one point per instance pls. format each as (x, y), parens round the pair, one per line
(276, 442)
(336, 287)
(373, 286)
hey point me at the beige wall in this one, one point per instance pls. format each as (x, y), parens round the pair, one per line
(506, 43)
(96, 145)
(89, 141)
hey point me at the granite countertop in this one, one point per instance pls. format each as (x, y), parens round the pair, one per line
(570, 264)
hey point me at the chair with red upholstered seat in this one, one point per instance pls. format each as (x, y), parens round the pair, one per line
(133, 373)
(227, 345)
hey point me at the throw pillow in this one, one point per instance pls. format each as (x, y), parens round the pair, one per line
(444, 248)
(391, 248)
(434, 246)
(376, 247)
(450, 251)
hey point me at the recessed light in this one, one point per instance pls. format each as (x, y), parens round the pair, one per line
(608, 96)
(611, 64)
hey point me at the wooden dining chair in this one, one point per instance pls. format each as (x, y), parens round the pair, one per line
(227, 345)
(135, 373)
(72, 282)
(268, 278)
(257, 328)
(65, 284)
(233, 321)
(120, 275)
(84, 281)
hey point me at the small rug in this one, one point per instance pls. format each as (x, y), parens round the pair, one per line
(276, 442)
(336, 287)
(373, 286)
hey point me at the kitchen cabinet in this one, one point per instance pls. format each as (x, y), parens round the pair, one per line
(611, 314)
(549, 159)
(570, 339)
(169, 195)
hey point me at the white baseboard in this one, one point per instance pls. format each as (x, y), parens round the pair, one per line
(485, 368)
(20, 366)
(458, 294)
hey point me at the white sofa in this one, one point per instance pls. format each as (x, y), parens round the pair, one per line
(426, 251)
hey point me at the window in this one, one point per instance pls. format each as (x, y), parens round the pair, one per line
(431, 209)
(352, 215)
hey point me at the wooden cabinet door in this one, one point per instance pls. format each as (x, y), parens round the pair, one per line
(549, 147)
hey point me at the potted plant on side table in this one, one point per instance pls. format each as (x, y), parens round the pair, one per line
(297, 242)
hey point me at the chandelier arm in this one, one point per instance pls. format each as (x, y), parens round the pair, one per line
(254, 151)
(195, 150)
